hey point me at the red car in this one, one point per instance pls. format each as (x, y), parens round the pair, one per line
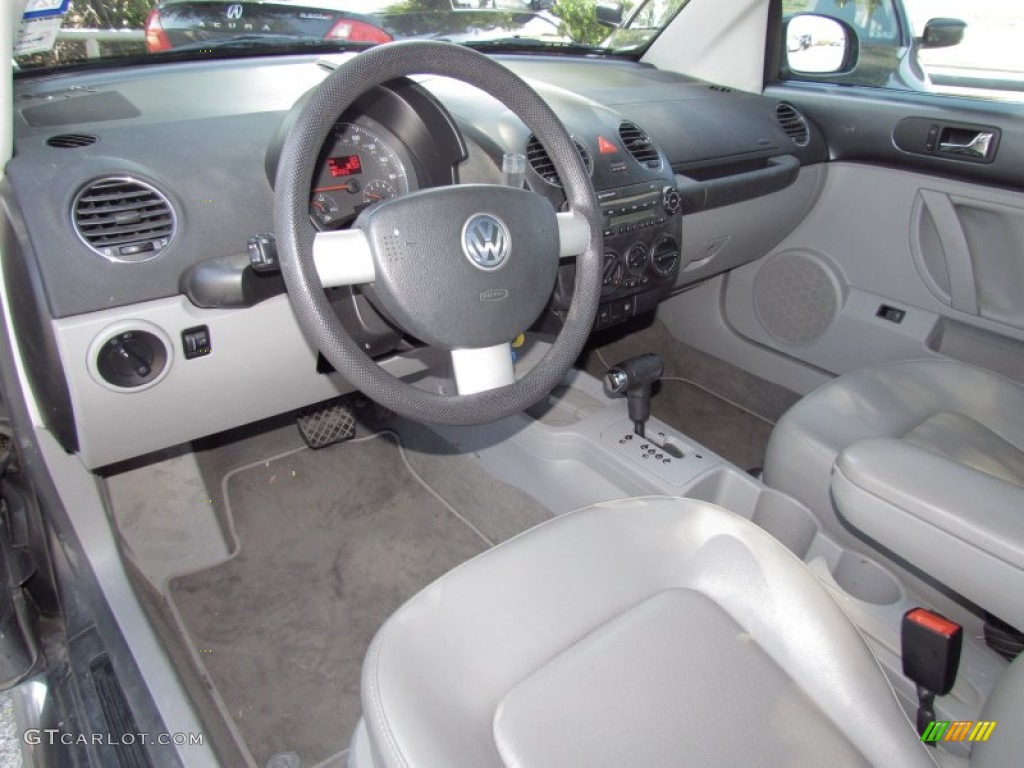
(177, 23)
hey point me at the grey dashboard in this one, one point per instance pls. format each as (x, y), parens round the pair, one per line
(199, 133)
(665, 151)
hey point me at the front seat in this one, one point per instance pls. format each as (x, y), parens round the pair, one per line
(925, 457)
(646, 632)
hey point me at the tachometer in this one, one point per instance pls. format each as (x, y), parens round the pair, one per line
(359, 169)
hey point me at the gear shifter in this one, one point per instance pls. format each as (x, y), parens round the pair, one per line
(633, 378)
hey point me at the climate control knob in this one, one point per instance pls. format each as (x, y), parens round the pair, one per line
(636, 259)
(665, 256)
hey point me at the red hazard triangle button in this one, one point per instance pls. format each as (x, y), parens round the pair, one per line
(605, 147)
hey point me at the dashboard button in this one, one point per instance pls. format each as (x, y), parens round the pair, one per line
(196, 342)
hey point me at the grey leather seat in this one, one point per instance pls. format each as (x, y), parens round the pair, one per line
(647, 632)
(926, 458)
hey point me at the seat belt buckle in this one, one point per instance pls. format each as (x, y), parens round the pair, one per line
(931, 649)
(931, 655)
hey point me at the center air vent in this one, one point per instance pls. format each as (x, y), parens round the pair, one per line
(71, 140)
(539, 160)
(123, 219)
(793, 123)
(639, 145)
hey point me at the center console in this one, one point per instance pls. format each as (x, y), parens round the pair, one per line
(642, 226)
(641, 222)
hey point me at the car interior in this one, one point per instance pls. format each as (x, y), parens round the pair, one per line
(366, 442)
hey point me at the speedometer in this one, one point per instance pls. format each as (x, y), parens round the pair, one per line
(358, 170)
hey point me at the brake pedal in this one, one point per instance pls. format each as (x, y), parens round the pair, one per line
(327, 423)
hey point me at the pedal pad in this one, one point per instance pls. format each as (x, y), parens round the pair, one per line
(327, 423)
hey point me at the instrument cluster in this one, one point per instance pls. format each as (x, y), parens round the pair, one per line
(361, 166)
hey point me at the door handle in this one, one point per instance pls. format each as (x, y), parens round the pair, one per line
(978, 146)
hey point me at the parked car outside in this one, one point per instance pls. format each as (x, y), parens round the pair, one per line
(173, 24)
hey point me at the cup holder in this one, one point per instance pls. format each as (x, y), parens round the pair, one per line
(866, 580)
(787, 520)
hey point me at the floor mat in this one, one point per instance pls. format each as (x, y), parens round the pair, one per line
(330, 543)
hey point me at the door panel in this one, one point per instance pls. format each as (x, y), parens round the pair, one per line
(891, 264)
(910, 250)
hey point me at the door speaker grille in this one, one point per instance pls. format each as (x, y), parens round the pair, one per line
(797, 295)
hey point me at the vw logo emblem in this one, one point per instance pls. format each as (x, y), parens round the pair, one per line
(486, 241)
(234, 11)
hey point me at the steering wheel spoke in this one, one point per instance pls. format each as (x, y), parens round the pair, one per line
(478, 370)
(343, 257)
(573, 234)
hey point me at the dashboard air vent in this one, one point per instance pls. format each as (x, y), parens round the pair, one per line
(123, 219)
(539, 160)
(639, 145)
(793, 123)
(721, 88)
(71, 140)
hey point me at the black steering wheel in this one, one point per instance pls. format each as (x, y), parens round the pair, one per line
(466, 267)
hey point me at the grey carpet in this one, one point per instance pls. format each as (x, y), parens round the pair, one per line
(719, 405)
(498, 510)
(331, 543)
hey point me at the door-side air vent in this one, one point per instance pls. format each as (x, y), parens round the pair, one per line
(539, 160)
(639, 145)
(123, 219)
(71, 140)
(793, 123)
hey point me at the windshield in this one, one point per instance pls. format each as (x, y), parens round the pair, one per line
(59, 33)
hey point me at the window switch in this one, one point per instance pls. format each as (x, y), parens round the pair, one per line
(892, 314)
(196, 342)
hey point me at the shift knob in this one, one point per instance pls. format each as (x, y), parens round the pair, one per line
(639, 371)
(633, 378)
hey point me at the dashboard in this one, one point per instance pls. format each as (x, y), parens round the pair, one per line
(134, 197)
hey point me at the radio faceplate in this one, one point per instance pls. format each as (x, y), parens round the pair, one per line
(631, 209)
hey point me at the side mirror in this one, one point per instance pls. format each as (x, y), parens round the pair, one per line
(609, 14)
(942, 33)
(819, 45)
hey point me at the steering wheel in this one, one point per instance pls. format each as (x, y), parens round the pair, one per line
(465, 267)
